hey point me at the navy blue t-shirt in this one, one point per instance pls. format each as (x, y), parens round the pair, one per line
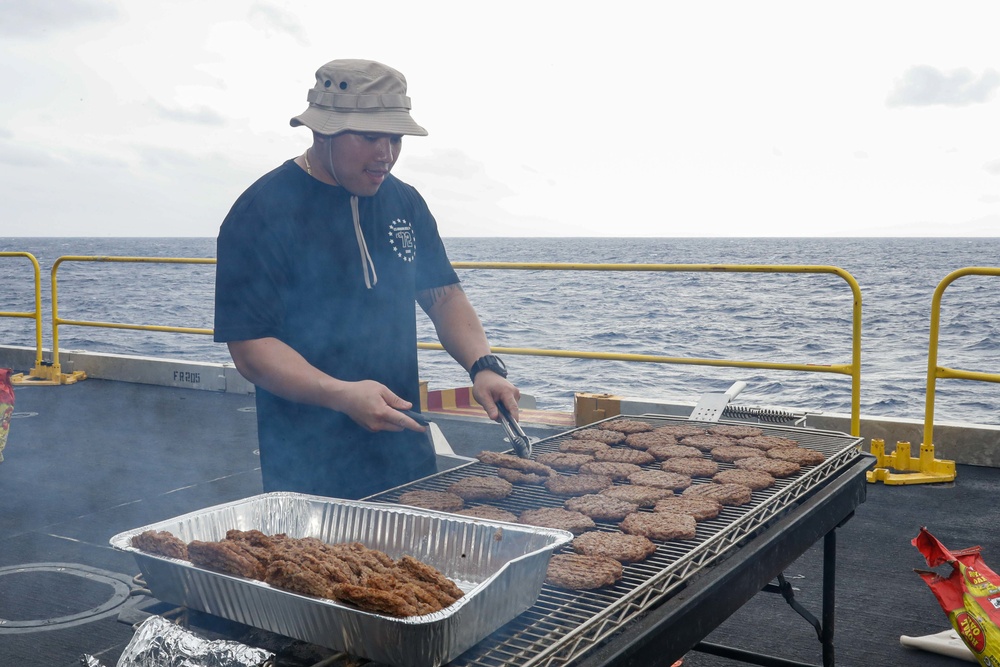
(290, 267)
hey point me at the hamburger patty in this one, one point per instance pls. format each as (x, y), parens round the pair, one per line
(433, 500)
(623, 548)
(767, 442)
(691, 467)
(488, 512)
(734, 453)
(801, 455)
(726, 494)
(616, 471)
(580, 572)
(643, 496)
(664, 452)
(563, 460)
(600, 435)
(680, 430)
(625, 426)
(502, 460)
(577, 485)
(755, 479)
(601, 508)
(660, 478)
(558, 517)
(481, 488)
(773, 467)
(707, 442)
(649, 439)
(572, 446)
(518, 477)
(660, 525)
(735, 431)
(625, 455)
(702, 509)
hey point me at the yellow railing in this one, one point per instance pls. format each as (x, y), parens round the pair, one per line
(54, 370)
(853, 369)
(933, 370)
(925, 468)
(37, 313)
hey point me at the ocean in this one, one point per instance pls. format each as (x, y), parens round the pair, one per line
(787, 318)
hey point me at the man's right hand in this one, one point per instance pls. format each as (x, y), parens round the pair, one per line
(374, 407)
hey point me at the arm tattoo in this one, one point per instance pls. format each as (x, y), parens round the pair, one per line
(431, 296)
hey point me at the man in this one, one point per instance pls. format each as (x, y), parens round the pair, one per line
(319, 264)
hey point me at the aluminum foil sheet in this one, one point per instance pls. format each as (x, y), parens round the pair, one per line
(160, 643)
(500, 567)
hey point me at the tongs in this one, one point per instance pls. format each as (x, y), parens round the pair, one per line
(516, 436)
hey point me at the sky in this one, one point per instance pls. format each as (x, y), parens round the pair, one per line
(546, 118)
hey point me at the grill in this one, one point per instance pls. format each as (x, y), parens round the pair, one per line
(564, 626)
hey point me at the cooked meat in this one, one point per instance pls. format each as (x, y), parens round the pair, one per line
(564, 460)
(481, 488)
(518, 477)
(616, 471)
(773, 467)
(600, 435)
(161, 543)
(701, 509)
(727, 494)
(625, 426)
(433, 500)
(557, 517)
(347, 572)
(623, 548)
(572, 446)
(649, 439)
(691, 467)
(735, 431)
(227, 557)
(755, 479)
(514, 462)
(577, 485)
(601, 508)
(801, 455)
(577, 571)
(625, 455)
(488, 512)
(643, 496)
(767, 442)
(660, 525)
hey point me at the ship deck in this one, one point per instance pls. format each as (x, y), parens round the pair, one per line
(89, 460)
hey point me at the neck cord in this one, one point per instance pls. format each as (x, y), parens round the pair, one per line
(366, 258)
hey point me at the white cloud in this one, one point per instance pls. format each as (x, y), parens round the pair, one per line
(43, 19)
(924, 86)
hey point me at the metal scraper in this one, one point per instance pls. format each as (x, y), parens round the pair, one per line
(711, 406)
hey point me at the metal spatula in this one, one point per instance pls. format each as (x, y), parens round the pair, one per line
(711, 406)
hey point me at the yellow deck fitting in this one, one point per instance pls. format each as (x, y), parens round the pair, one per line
(922, 470)
(47, 374)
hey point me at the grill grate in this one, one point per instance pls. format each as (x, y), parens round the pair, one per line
(562, 625)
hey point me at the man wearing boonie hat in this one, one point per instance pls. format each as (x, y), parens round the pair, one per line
(319, 263)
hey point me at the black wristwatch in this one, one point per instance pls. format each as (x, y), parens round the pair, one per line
(490, 362)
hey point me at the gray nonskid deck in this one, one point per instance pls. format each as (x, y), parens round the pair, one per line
(87, 461)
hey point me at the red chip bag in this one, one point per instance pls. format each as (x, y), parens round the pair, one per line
(6, 406)
(970, 595)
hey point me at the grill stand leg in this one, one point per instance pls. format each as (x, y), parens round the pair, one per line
(824, 629)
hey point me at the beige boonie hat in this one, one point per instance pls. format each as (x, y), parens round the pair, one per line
(358, 96)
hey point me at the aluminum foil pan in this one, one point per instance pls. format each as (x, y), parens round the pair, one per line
(500, 566)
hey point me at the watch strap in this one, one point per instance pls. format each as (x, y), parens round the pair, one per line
(489, 362)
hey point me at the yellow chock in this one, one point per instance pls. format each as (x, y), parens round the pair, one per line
(924, 469)
(47, 375)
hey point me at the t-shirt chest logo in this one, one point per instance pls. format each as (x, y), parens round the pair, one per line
(402, 239)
